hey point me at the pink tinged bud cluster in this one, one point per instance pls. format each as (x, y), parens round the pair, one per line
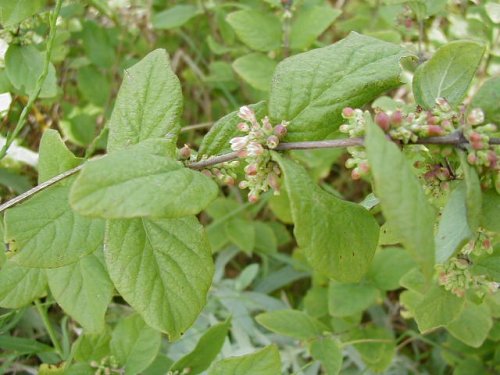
(261, 174)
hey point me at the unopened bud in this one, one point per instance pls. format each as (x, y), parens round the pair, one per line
(207, 173)
(255, 149)
(253, 197)
(229, 181)
(251, 169)
(238, 143)
(344, 128)
(443, 104)
(243, 127)
(434, 130)
(396, 118)
(348, 113)
(266, 125)
(364, 168)
(243, 184)
(475, 117)
(185, 152)
(273, 181)
(383, 120)
(247, 114)
(355, 175)
(272, 141)
(280, 131)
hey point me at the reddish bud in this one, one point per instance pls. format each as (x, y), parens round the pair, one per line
(435, 130)
(472, 159)
(243, 127)
(364, 167)
(280, 130)
(185, 152)
(355, 175)
(347, 112)
(251, 169)
(433, 120)
(383, 120)
(274, 181)
(253, 197)
(475, 137)
(207, 173)
(396, 118)
(272, 141)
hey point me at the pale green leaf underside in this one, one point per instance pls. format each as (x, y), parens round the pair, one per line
(292, 323)
(83, 289)
(339, 237)
(20, 285)
(162, 268)
(206, 350)
(148, 105)
(403, 201)
(216, 141)
(311, 89)
(472, 325)
(134, 344)
(48, 233)
(447, 74)
(263, 362)
(141, 181)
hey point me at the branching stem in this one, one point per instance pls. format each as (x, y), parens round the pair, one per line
(455, 139)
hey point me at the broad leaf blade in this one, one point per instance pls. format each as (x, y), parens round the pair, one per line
(292, 323)
(472, 325)
(328, 352)
(263, 362)
(339, 237)
(310, 23)
(257, 69)
(134, 344)
(207, 348)
(163, 268)
(447, 74)
(48, 233)
(141, 181)
(84, 290)
(403, 201)
(311, 89)
(20, 285)
(149, 103)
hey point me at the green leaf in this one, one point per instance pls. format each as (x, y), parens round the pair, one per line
(487, 98)
(259, 31)
(162, 268)
(20, 285)
(206, 350)
(93, 347)
(349, 299)
(48, 233)
(447, 74)
(280, 205)
(216, 141)
(489, 212)
(310, 23)
(55, 157)
(21, 345)
(376, 355)
(141, 181)
(262, 362)
(453, 231)
(389, 265)
(487, 265)
(98, 45)
(473, 196)
(93, 85)
(257, 69)
(339, 238)
(438, 308)
(311, 89)
(12, 12)
(265, 238)
(241, 233)
(24, 65)
(292, 323)
(328, 352)
(472, 325)
(149, 103)
(134, 344)
(403, 201)
(84, 290)
(174, 17)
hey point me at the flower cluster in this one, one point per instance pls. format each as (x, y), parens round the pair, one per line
(261, 173)
(107, 366)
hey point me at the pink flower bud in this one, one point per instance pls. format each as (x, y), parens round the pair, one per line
(255, 149)
(396, 118)
(348, 113)
(238, 143)
(253, 197)
(247, 114)
(364, 168)
(443, 104)
(243, 184)
(472, 159)
(280, 131)
(272, 141)
(243, 127)
(432, 120)
(344, 128)
(266, 125)
(475, 117)
(185, 152)
(242, 154)
(434, 130)
(383, 120)
(273, 181)
(251, 169)
(475, 137)
(355, 175)
(229, 181)
(492, 158)
(207, 173)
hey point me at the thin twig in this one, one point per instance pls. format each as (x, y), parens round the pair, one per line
(454, 139)
(39, 83)
(203, 125)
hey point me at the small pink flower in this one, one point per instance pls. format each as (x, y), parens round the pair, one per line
(251, 169)
(243, 127)
(253, 197)
(247, 114)
(266, 125)
(272, 141)
(280, 130)
(238, 143)
(255, 149)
